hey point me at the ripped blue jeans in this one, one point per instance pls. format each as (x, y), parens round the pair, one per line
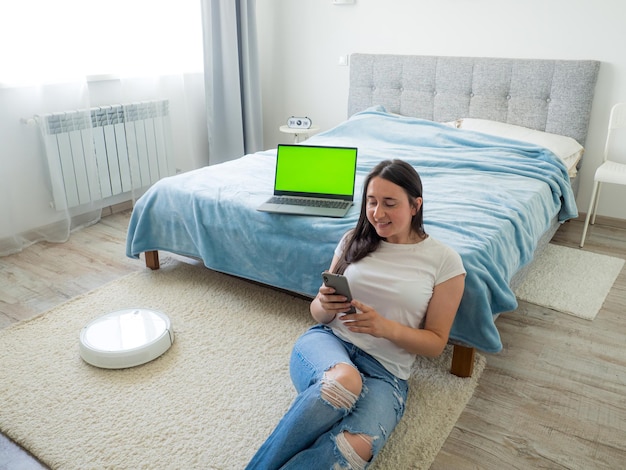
(310, 434)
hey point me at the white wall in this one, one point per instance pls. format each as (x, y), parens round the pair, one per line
(301, 41)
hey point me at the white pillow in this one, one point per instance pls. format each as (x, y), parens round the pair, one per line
(566, 148)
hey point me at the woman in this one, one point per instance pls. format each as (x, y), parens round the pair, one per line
(351, 370)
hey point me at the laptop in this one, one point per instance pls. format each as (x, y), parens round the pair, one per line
(313, 180)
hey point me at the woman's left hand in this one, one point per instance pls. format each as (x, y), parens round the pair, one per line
(366, 320)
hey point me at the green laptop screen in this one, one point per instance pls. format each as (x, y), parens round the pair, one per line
(315, 170)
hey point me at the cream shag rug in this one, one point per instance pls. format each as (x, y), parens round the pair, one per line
(208, 402)
(570, 280)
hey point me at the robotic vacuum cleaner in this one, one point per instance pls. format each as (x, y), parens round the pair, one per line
(126, 338)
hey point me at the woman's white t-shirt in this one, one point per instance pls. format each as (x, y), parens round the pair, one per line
(397, 280)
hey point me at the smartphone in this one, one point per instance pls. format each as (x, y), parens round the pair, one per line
(340, 283)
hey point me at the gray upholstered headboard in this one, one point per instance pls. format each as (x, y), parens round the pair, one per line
(549, 95)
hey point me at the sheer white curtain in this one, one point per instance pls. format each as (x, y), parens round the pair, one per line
(25, 212)
(233, 89)
(65, 55)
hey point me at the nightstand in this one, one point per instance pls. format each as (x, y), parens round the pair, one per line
(298, 132)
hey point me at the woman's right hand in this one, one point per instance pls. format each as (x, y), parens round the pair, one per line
(331, 302)
(326, 305)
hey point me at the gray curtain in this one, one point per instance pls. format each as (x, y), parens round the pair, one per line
(232, 79)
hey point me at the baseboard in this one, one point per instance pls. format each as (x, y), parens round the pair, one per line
(59, 229)
(116, 208)
(604, 220)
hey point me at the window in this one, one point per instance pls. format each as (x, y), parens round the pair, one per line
(53, 40)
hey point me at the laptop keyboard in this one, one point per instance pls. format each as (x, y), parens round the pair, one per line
(305, 201)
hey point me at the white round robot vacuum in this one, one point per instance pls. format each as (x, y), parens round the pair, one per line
(126, 338)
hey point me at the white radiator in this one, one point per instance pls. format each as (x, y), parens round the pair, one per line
(106, 153)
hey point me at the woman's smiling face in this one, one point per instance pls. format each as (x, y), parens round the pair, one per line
(390, 211)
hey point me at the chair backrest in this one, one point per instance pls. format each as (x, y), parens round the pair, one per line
(615, 146)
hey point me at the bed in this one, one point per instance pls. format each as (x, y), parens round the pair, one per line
(496, 141)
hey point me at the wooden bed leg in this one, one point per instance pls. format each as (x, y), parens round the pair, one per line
(462, 361)
(152, 259)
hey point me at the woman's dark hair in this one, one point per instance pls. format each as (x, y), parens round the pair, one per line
(364, 239)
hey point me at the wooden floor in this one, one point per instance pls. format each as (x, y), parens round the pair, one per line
(554, 398)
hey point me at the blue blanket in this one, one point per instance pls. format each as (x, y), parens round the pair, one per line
(489, 198)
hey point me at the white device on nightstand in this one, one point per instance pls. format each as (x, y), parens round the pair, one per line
(299, 126)
(299, 122)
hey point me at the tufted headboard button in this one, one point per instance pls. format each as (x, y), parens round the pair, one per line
(508, 97)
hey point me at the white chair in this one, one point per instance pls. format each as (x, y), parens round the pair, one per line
(613, 169)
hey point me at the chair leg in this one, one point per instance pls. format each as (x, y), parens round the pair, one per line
(592, 206)
(597, 199)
